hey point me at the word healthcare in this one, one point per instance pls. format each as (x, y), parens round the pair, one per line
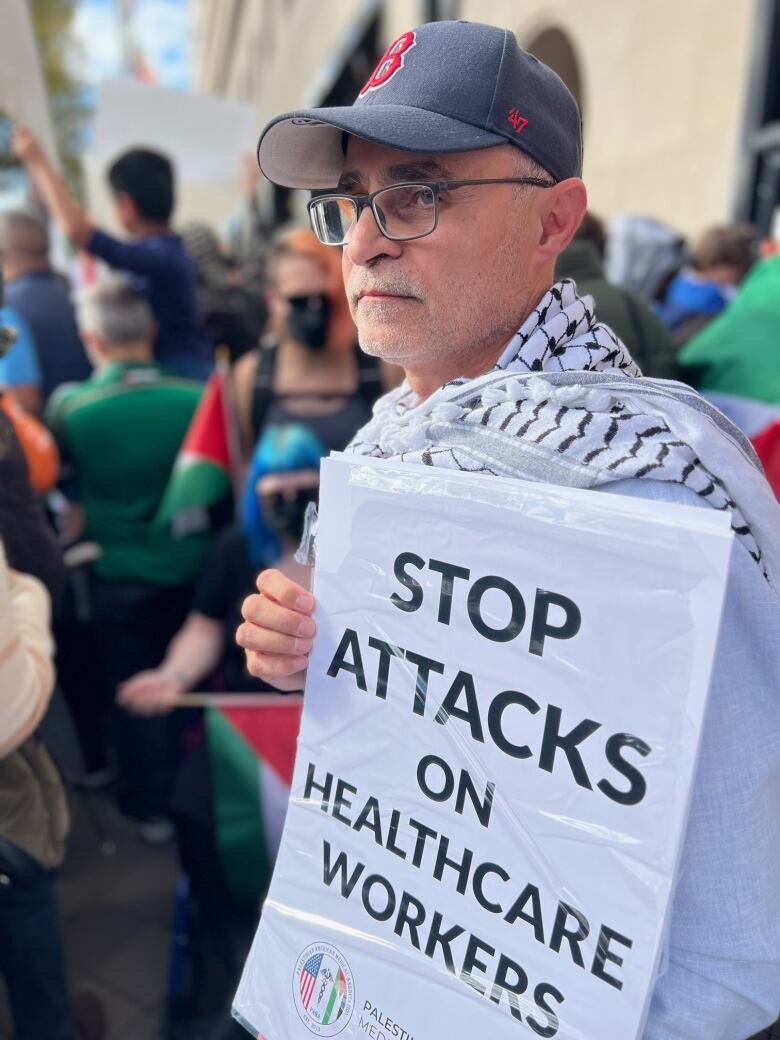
(554, 739)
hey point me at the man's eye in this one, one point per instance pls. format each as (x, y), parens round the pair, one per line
(410, 199)
(422, 198)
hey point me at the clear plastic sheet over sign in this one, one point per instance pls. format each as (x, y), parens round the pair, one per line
(501, 723)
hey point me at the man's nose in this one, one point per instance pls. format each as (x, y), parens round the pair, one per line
(367, 243)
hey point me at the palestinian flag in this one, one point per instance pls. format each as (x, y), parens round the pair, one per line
(202, 473)
(252, 754)
(735, 363)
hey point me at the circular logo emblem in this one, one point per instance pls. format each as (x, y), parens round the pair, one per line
(323, 989)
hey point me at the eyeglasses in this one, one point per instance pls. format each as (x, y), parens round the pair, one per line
(402, 211)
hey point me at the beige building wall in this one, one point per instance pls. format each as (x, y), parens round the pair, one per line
(664, 90)
(663, 82)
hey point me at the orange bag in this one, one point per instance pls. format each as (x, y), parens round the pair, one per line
(38, 445)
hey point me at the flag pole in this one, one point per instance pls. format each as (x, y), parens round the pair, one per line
(238, 700)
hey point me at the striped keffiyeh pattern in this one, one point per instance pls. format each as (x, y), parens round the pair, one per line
(565, 404)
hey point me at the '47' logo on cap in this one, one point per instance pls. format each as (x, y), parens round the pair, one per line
(391, 61)
(518, 122)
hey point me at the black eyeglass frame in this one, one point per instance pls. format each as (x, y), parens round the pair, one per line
(361, 202)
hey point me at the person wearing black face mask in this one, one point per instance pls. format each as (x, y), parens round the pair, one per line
(308, 367)
(308, 320)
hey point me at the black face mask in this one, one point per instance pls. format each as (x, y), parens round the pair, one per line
(285, 515)
(308, 320)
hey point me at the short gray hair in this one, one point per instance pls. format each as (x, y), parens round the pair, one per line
(116, 312)
(525, 166)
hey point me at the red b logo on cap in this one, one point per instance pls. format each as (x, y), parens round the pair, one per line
(390, 62)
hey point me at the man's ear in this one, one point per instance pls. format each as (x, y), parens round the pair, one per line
(564, 206)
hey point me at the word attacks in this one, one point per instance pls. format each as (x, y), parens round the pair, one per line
(415, 674)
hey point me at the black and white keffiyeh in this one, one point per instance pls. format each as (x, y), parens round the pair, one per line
(565, 404)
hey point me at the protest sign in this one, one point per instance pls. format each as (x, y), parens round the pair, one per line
(501, 723)
(22, 87)
(207, 148)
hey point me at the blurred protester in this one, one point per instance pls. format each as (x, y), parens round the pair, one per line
(42, 297)
(282, 480)
(309, 368)
(36, 443)
(232, 314)
(734, 362)
(698, 293)
(30, 543)
(33, 817)
(34, 824)
(33, 811)
(142, 184)
(624, 311)
(20, 373)
(121, 431)
(643, 254)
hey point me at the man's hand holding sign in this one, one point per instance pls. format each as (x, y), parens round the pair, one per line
(279, 630)
(506, 692)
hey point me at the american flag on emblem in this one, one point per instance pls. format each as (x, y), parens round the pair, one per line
(311, 970)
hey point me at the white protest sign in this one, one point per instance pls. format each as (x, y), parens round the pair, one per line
(22, 88)
(500, 730)
(206, 137)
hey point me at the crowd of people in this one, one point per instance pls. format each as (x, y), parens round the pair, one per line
(100, 385)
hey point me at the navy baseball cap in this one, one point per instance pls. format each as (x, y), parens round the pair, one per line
(443, 87)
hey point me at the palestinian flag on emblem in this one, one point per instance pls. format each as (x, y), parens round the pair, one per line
(252, 755)
(735, 363)
(202, 473)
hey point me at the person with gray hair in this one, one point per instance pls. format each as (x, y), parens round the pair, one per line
(451, 186)
(42, 297)
(116, 322)
(121, 431)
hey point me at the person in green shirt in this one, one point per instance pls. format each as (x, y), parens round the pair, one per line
(120, 431)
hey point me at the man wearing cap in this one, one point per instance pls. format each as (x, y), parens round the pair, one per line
(452, 184)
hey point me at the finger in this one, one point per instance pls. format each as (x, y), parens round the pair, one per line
(134, 688)
(137, 696)
(286, 684)
(266, 641)
(286, 593)
(265, 613)
(138, 705)
(131, 684)
(275, 666)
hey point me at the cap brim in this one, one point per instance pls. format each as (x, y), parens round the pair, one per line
(305, 150)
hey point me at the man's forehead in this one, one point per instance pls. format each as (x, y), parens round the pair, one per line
(365, 160)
